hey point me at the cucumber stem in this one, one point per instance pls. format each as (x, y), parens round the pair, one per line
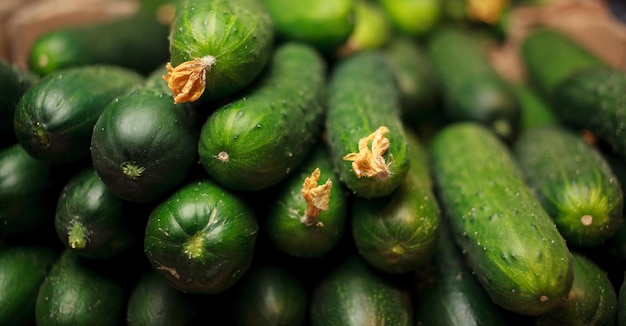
(371, 163)
(188, 80)
(316, 197)
(77, 237)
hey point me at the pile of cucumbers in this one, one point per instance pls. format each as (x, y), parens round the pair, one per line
(312, 162)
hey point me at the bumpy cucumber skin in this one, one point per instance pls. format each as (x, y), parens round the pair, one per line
(397, 234)
(592, 299)
(238, 33)
(472, 90)
(54, 119)
(362, 96)
(511, 243)
(282, 223)
(201, 239)
(14, 81)
(568, 189)
(267, 132)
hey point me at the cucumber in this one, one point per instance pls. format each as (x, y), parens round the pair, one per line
(621, 302)
(75, 293)
(593, 99)
(258, 139)
(217, 47)
(143, 145)
(54, 119)
(581, 194)
(90, 220)
(269, 294)
(363, 107)
(372, 29)
(26, 185)
(397, 233)
(323, 24)
(202, 238)
(353, 293)
(152, 301)
(22, 270)
(472, 89)
(535, 109)
(592, 299)
(416, 18)
(137, 42)
(549, 55)
(307, 217)
(14, 81)
(511, 243)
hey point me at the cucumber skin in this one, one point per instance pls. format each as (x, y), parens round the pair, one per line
(362, 96)
(397, 234)
(238, 33)
(54, 119)
(568, 189)
(268, 131)
(14, 81)
(511, 244)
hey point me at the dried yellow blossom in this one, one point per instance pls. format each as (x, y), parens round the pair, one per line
(316, 196)
(188, 80)
(371, 163)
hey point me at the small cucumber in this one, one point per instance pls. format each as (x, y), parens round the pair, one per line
(14, 81)
(511, 243)
(397, 233)
(592, 299)
(308, 215)
(54, 119)
(416, 18)
(202, 238)
(257, 140)
(217, 47)
(137, 42)
(364, 128)
(372, 29)
(581, 194)
(472, 89)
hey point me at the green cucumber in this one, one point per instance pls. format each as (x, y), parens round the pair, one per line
(217, 47)
(14, 81)
(621, 302)
(90, 220)
(535, 109)
(143, 145)
(592, 299)
(593, 99)
(353, 293)
(26, 185)
(308, 215)
(511, 243)
(372, 29)
(549, 55)
(75, 293)
(416, 18)
(22, 270)
(397, 233)
(152, 301)
(581, 194)
(362, 108)
(137, 42)
(54, 119)
(258, 139)
(472, 89)
(202, 238)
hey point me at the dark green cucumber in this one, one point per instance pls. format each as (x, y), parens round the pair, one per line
(573, 182)
(90, 220)
(511, 243)
(75, 293)
(353, 293)
(397, 233)
(364, 128)
(593, 99)
(592, 299)
(227, 43)
(202, 238)
(308, 226)
(152, 301)
(414, 18)
(137, 42)
(14, 81)
(449, 294)
(549, 56)
(472, 89)
(22, 270)
(269, 295)
(54, 119)
(143, 145)
(25, 192)
(257, 140)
